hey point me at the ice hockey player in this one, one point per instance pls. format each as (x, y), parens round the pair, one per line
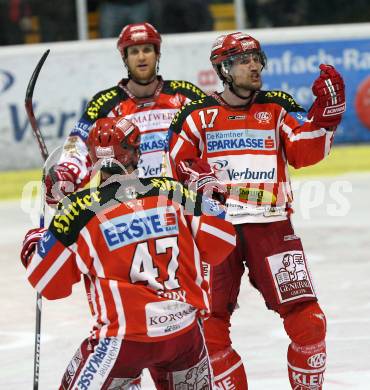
(138, 245)
(251, 136)
(144, 97)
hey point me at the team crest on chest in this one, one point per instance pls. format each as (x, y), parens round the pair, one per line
(263, 116)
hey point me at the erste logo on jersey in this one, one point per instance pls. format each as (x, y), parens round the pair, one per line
(226, 140)
(142, 225)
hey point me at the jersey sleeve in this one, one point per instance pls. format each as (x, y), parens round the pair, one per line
(184, 136)
(214, 237)
(304, 143)
(53, 270)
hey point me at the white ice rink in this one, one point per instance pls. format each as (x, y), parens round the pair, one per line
(335, 229)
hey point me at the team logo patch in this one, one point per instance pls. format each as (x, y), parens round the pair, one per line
(263, 116)
(291, 276)
(317, 361)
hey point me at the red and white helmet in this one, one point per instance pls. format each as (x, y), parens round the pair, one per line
(138, 34)
(227, 47)
(113, 140)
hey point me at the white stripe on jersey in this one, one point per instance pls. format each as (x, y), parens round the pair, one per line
(93, 297)
(328, 138)
(199, 278)
(96, 261)
(80, 263)
(176, 148)
(218, 233)
(113, 284)
(35, 262)
(103, 309)
(304, 135)
(195, 225)
(57, 265)
(193, 128)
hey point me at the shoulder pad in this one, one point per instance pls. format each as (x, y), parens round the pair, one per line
(103, 102)
(181, 115)
(74, 212)
(279, 97)
(186, 88)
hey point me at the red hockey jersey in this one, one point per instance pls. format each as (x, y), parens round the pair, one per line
(251, 148)
(139, 245)
(153, 116)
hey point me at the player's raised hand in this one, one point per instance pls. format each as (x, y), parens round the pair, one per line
(63, 179)
(330, 102)
(30, 241)
(199, 176)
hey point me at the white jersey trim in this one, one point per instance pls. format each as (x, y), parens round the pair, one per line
(96, 261)
(218, 233)
(113, 284)
(304, 135)
(193, 128)
(103, 310)
(57, 265)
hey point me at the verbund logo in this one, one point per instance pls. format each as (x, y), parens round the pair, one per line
(6, 80)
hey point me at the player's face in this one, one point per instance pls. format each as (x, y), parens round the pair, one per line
(142, 61)
(246, 72)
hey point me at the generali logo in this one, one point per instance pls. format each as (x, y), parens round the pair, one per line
(263, 116)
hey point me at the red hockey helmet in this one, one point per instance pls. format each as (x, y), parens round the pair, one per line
(228, 47)
(138, 34)
(114, 139)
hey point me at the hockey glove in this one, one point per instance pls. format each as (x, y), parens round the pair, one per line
(30, 241)
(199, 176)
(330, 102)
(63, 179)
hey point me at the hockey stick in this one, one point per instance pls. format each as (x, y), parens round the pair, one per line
(45, 154)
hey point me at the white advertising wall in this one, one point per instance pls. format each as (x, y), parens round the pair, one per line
(75, 71)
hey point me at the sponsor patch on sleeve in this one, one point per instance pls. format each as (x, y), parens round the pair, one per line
(45, 244)
(81, 129)
(300, 117)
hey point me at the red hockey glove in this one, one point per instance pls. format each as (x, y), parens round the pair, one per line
(330, 102)
(199, 176)
(63, 179)
(30, 241)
